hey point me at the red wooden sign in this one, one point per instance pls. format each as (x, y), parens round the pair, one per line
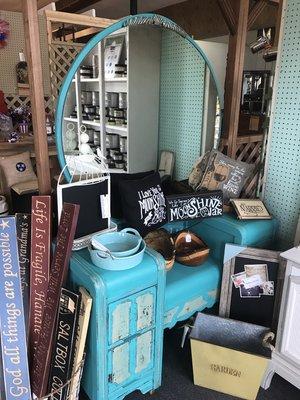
(39, 265)
(59, 268)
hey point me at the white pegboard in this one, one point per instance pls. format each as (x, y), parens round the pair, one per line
(181, 101)
(282, 187)
(9, 55)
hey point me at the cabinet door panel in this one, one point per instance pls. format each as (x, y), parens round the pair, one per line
(145, 308)
(119, 320)
(144, 350)
(291, 328)
(120, 364)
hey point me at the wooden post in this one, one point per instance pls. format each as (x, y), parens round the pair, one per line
(33, 53)
(234, 74)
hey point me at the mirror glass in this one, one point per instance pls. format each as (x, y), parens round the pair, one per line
(141, 90)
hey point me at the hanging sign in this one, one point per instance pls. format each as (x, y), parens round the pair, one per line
(13, 335)
(195, 205)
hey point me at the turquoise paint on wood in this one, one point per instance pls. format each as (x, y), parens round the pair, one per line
(282, 188)
(181, 101)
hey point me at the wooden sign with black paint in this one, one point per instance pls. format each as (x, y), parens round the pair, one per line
(196, 205)
(39, 265)
(58, 274)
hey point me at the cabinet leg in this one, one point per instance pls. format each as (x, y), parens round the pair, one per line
(152, 392)
(267, 379)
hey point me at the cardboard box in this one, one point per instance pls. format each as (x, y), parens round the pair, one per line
(228, 355)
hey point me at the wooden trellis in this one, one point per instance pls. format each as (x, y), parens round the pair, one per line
(14, 101)
(248, 149)
(61, 56)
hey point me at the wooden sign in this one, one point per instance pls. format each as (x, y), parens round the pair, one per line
(23, 235)
(59, 268)
(13, 334)
(191, 206)
(39, 265)
(250, 209)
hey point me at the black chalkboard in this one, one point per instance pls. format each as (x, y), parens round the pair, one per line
(90, 218)
(195, 205)
(254, 310)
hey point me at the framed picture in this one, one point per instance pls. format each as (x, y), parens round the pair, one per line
(251, 285)
(250, 209)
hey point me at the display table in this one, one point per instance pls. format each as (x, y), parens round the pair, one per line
(132, 307)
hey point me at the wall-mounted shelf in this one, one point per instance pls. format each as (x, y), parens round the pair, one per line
(116, 129)
(121, 79)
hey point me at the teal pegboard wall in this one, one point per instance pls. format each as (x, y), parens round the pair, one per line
(282, 187)
(181, 101)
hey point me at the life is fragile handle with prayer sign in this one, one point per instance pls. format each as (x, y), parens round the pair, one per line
(13, 336)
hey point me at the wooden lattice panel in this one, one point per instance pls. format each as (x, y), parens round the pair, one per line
(61, 56)
(14, 101)
(249, 151)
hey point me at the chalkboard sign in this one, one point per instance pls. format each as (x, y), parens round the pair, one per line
(94, 201)
(251, 286)
(196, 205)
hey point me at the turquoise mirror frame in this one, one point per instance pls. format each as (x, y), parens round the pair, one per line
(139, 19)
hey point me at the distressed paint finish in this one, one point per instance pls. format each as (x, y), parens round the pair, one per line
(170, 315)
(120, 363)
(145, 311)
(120, 321)
(192, 306)
(143, 351)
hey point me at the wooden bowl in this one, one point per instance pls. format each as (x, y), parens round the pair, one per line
(190, 249)
(161, 241)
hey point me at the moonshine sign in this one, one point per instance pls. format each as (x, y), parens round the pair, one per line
(192, 206)
(13, 336)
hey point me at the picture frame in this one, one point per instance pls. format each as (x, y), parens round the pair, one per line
(248, 305)
(250, 209)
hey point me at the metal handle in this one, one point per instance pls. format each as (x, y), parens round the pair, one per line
(131, 230)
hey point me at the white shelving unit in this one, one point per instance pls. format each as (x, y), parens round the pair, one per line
(142, 50)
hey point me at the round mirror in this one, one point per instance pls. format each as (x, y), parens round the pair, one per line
(139, 88)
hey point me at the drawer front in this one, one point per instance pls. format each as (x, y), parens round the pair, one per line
(131, 315)
(129, 360)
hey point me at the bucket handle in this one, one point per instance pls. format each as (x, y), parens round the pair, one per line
(131, 230)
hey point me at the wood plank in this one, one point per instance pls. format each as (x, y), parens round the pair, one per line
(33, 52)
(82, 33)
(16, 5)
(234, 76)
(228, 14)
(255, 11)
(203, 19)
(78, 19)
(74, 5)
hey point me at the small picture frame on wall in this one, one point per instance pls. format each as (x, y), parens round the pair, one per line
(251, 285)
(250, 209)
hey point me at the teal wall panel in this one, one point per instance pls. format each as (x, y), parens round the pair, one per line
(282, 187)
(181, 101)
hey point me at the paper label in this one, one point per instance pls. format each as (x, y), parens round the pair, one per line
(105, 209)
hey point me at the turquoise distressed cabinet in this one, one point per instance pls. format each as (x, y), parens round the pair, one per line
(124, 347)
(132, 308)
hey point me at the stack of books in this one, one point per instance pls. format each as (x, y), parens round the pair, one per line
(43, 323)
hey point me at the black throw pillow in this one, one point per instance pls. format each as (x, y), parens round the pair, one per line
(115, 196)
(143, 203)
